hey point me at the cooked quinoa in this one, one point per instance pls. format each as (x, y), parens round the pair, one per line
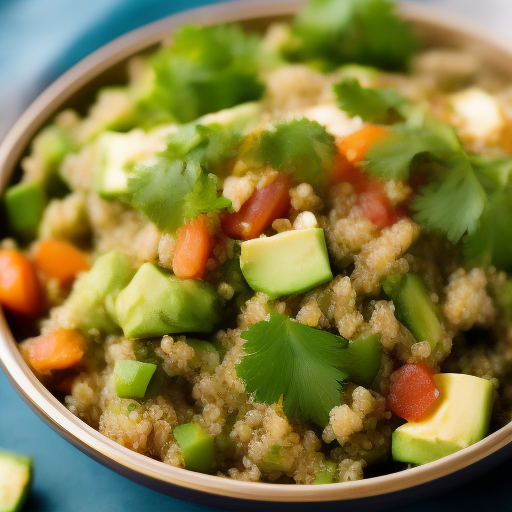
(255, 439)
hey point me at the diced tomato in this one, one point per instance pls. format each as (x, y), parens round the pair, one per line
(349, 172)
(193, 247)
(412, 392)
(376, 206)
(259, 211)
(372, 197)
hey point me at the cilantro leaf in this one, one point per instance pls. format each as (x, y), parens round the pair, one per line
(297, 362)
(394, 156)
(356, 31)
(371, 105)
(210, 146)
(493, 171)
(454, 202)
(205, 70)
(300, 147)
(182, 184)
(490, 243)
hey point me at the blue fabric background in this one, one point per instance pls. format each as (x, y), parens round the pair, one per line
(39, 40)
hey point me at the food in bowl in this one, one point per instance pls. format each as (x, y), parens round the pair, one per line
(276, 258)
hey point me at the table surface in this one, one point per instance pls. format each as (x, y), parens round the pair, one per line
(66, 480)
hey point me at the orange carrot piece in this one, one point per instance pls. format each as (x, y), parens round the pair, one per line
(60, 260)
(355, 146)
(351, 150)
(58, 350)
(20, 290)
(193, 247)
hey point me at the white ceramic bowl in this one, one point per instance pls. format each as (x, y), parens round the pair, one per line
(76, 88)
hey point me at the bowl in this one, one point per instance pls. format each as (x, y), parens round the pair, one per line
(76, 89)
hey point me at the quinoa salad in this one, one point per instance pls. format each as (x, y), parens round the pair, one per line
(278, 257)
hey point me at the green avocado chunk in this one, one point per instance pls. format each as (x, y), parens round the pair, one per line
(362, 359)
(92, 303)
(15, 480)
(290, 262)
(53, 143)
(324, 477)
(197, 447)
(414, 307)
(157, 302)
(24, 205)
(206, 354)
(116, 155)
(241, 118)
(460, 418)
(132, 378)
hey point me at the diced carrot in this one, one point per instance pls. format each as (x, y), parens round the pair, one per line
(20, 290)
(58, 350)
(193, 247)
(60, 260)
(412, 392)
(259, 211)
(373, 200)
(352, 150)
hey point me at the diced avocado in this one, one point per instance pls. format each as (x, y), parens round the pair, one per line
(290, 262)
(414, 307)
(15, 480)
(197, 447)
(24, 205)
(272, 461)
(132, 378)
(116, 155)
(113, 110)
(157, 302)
(460, 418)
(52, 144)
(241, 118)
(144, 351)
(362, 359)
(324, 477)
(206, 354)
(92, 303)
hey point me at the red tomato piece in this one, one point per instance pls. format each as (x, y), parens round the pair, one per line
(373, 200)
(412, 392)
(349, 172)
(376, 206)
(259, 211)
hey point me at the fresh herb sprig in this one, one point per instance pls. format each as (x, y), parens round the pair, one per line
(466, 197)
(300, 147)
(183, 183)
(298, 363)
(206, 69)
(334, 32)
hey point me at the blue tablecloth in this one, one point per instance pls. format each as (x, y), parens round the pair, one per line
(40, 39)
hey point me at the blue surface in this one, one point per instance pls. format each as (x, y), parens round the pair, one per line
(40, 39)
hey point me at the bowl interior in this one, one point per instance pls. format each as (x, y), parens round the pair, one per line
(76, 89)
